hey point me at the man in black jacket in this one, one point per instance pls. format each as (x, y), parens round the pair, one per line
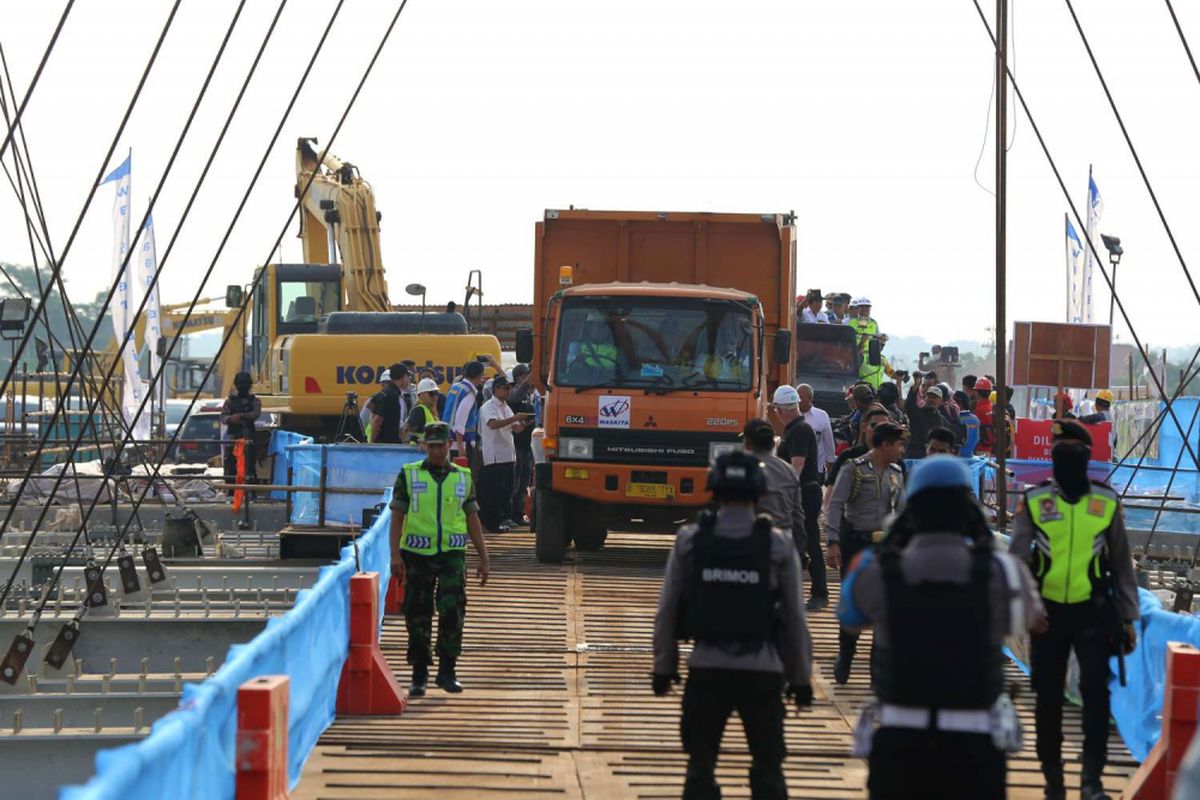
(923, 405)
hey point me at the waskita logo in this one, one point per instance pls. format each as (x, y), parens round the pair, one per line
(613, 411)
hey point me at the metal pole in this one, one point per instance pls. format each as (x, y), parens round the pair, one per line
(1000, 415)
(1112, 297)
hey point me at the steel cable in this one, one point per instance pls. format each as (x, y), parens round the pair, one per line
(37, 75)
(1133, 150)
(1099, 262)
(258, 278)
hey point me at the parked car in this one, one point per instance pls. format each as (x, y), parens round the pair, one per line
(177, 412)
(200, 434)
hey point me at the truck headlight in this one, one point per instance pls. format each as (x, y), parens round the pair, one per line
(716, 449)
(574, 447)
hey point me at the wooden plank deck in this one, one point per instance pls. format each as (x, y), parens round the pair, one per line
(556, 665)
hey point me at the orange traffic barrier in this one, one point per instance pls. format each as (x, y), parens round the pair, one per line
(1181, 707)
(262, 739)
(367, 686)
(393, 601)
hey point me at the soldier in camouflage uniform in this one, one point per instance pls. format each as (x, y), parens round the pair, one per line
(434, 512)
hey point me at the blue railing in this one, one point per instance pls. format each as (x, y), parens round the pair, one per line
(189, 753)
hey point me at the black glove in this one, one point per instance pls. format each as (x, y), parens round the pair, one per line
(801, 695)
(662, 683)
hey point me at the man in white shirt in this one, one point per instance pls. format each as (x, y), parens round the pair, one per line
(818, 420)
(497, 424)
(811, 312)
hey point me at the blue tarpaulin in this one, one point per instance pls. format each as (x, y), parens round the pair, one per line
(1137, 707)
(361, 466)
(280, 442)
(189, 753)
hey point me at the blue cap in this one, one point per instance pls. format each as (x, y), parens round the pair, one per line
(938, 472)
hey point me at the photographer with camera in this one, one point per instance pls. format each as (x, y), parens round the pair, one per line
(923, 405)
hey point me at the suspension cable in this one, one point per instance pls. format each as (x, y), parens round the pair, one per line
(1183, 39)
(256, 283)
(62, 20)
(58, 264)
(1133, 150)
(182, 325)
(1099, 262)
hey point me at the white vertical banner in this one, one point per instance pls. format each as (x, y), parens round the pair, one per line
(147, 268)
(135, 388)
(1074, 275)
(1095, 209)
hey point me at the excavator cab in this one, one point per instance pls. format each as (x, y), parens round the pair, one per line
(290, 299)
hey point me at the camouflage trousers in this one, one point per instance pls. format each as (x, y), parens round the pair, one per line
(431, 581)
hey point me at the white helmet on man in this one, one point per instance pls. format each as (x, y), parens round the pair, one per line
(861, 300)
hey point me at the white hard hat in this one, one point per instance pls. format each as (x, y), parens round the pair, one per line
(427, 385)
(385, 376)
(862, 300)
(785, 396)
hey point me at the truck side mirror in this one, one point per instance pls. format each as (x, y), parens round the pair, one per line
(874, 353)
(781, 352)
(524, 345)
(233, 296)
(162, 345)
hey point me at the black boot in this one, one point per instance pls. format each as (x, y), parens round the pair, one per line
(420, 680)
(446, 678)
(847, 646)
(1055, 787)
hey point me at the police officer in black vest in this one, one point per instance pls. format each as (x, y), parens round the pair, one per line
(941, 600)
(733, 586)
(238, 414)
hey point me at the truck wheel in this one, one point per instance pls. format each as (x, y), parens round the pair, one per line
(550, 540)
(590, 538)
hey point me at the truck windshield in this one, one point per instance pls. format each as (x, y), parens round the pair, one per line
(655, 344)
(826, 349)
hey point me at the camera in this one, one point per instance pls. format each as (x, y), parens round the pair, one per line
(482, 359)
(918, 375)
(901, 375)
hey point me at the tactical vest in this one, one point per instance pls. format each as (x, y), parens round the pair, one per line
(435, 521)
(1069, 540)
(728, 598)
(457, 393)
(601, 356)
(430, 416)
(865, 327)
(939, 652)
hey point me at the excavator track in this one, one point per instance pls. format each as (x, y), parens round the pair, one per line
(557, 662)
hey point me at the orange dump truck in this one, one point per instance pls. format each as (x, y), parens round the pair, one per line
(656, 337)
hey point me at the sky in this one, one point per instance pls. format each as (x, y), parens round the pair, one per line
(867, 119)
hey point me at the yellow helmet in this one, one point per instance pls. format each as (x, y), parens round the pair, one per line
(1105, 395)
(992, 398)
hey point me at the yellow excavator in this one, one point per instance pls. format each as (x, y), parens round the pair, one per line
(323, 330)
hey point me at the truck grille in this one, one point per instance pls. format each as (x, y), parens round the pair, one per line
(681, 448)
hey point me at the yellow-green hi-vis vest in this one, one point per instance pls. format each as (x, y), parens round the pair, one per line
(435, 521)
(1069, 540)
(430, 416)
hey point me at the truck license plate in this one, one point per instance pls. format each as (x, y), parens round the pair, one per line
(654, 491)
